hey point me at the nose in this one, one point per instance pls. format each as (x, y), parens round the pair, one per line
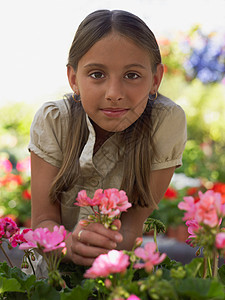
(114, 90)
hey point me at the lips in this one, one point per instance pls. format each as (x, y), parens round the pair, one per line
(114, 112)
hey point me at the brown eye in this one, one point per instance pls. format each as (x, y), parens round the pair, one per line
(97, 75)
(132, 76)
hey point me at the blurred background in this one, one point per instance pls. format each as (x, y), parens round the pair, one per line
(35, 40)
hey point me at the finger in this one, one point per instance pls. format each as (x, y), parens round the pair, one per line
(113, 235)
(95, 239)
(83, 261)
(86, 251)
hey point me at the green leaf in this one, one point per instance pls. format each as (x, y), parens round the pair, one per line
(43, 291)
(221, 273)
(216, 290)
(78, 293)
(195, 267)
(26, 281)
(9, 285)
(199, 289)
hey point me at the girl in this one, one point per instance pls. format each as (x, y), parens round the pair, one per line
(114, 131)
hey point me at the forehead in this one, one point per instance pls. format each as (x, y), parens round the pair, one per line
(115, 47)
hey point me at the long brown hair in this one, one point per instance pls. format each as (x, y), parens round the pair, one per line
(137, 138)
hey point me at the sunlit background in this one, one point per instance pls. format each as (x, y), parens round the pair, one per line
(35, 36)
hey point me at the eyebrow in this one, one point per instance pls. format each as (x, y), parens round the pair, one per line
(96, 65)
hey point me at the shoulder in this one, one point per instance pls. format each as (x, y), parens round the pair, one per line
(54, 109)
(165, 111)
(166, 106)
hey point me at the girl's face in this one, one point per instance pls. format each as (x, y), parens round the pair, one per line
(114, 80)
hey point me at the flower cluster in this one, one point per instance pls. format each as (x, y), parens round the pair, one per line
(15, 190)
(207, 57)
(45, 239)
(118, 267)
(204, 217)
(7, 228)
(40, 238)
(110, 263)
(106, 205)
(48, 241)
(149, 256)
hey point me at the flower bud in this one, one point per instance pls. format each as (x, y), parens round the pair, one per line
(113, 227)
(198, 252)
(32, 257)
(138, 242)
(84, 223)
(108, 283)
(10, 247)
(62, 283)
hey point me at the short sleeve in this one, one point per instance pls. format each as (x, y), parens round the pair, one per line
(48, 131)
(169, 134)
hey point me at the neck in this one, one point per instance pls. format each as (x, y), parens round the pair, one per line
(101, 136)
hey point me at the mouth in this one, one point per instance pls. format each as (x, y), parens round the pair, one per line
(114, 112)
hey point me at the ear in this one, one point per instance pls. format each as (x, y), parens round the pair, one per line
(72, 78)
(157, 78)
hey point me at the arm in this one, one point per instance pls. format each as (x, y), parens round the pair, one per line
(95, 239)
(134, 218)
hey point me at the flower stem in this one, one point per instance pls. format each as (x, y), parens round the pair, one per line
(215, 263)
(9, 261)
(155, 235)
(31, 264)
(209, 266)
(204, 266)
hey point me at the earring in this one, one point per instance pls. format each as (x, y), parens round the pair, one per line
(153, 97)
(76, 97)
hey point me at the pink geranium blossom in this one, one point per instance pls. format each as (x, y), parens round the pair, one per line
(133, 297)
(105, 264)
(45, 239)
(189, 205)
(18, 238)
(7, 228)
(208, 209)
(193, 228)
(119, 198)
(220, 240)
(106, 205)
(149, 255)
(83, 199)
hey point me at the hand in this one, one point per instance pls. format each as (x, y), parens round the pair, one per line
(89, 242)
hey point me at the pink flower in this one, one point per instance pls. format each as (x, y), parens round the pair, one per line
(7, 228)
(149, 255)
(133, 297)
(18, 238)
(83, 199)
(208, 208)
(45, 239)
(5, 165)
(23, 165)
(119, 198)
(189, 205)
(105, 264)
(97, 197)
(193, 228)
(108, 207)
(114, 202)
(220, 240)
